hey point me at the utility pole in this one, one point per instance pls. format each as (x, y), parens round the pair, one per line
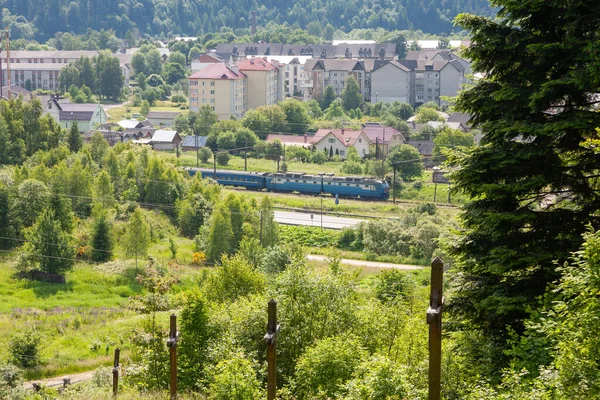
(116, 373)
(215, 165)
(321, 212)
(261, 227)
(394, 185)
(174, 337)
(434, 320)
(1, 74)
(197, 151)
(246, 154)
(7, 35)
(271, 340)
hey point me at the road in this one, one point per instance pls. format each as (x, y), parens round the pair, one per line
(368, 264)
(58, 381)
(308, 219)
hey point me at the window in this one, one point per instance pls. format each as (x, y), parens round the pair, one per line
(54, 61)
(359, 140)
(212, 83)
(342, 153)
(212, 100)
(203, 83)
(204, 100)
(29, 61)
(331, 140)
(213, 108)
(212, 92)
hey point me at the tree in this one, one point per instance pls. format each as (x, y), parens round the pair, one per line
(223, 157)
(136, 240)
(205, 154)
(401, 110)
(351, 97)
(296, 115)
(426, 114)
(268, 225)
(449, 138)
(406, 159)
(75, 140)
(220, 235)
(110, 76)
(99, 147)
(32, 199)
(534, 111)
(195, 327)
(101, 242)
(203, 120)
(178, 58)
(145, 108)
(48, 245)
(138, 62)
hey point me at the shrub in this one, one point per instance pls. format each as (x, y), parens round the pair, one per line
(223, 158)
(394, 285)
(24, 349)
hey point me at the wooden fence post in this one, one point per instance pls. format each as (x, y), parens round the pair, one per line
(434, 319)
(271, 340)
(116, 373)
(172, 344)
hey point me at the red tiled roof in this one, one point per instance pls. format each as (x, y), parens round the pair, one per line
(210, 58)
(289, 138)
(217, 71)
(255, 64)
(383, 134)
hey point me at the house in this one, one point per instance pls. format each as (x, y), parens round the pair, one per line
(262, 81)
(291, 140)
(425, 147)
(114, 134)
(204, 60)
(383, 138)
(393, 81)
(462, 118)
(165, 140)
(15, 91)
(337, 141)
(87, 116)
(192, 143)
(130, 124)
(162, 118)
(222, 88)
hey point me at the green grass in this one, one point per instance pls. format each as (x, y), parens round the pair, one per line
(119, 113)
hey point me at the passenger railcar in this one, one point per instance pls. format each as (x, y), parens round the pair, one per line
(349, 186)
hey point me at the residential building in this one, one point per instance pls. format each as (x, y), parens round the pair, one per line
(392, 82)
(291, 140)
(15, 91)
(382, 138)
(318, 74)
(337, 141)
(162, 118)
(222, 88)
(381, 51)
(165, 140)
(87, 116)
(42, 68)
(205, 60)
(261, 81)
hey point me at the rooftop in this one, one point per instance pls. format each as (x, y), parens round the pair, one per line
(217, 71)
(255, 64)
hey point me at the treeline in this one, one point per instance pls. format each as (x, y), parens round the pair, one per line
(43, 19)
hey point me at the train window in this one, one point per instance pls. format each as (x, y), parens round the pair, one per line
(357, 185)
(303, 181)
(296, 180)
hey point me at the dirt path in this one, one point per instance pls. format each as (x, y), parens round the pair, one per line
(369, 264)
(58, 381)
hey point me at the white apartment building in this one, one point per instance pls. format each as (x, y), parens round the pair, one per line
(222, 88)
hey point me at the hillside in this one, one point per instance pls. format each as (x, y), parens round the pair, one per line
(42, 19)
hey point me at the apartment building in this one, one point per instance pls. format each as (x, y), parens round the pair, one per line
(262, 81)
(391, 82)
(222, 88)
(42, 68)
(318, 74)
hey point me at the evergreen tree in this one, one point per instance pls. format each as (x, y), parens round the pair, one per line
(351, 97)
(136, 240)
(75, 140)
(49, 245)
(328, 98)
(104, 191)
(102, 241)
(540, 63)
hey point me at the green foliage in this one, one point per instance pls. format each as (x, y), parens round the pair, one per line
(328, 97)
(219, 238)
(233, 279)
(48, 246)
(426, 114)
(351, 97)
(75, 140)
(11, 382)
(234, 379)
(278, 258)
(377, 379)
(311, 236)
(102, 240)
(24, 350)
(136, 240)
(145, 108)
(32, 200)
(223, 157)
(394, 285)
(406, 159)
(323, 369)
(205, 154)
(506, 253)
(192, 213)
(195, 328)
(451, 138)
(296, 115)
(269, 228)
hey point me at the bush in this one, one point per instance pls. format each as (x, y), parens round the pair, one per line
(24, 349)
(223, 158)
(394, 285)
(277, 258)
(205, 154)
(318, 157)
(311, 236)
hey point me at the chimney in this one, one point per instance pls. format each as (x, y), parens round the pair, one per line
(343, 130)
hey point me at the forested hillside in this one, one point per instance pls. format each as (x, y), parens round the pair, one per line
(41, 19)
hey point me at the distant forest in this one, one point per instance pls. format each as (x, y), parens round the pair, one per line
(42, 19)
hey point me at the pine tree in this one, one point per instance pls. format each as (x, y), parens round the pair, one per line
(75, 140)
(102, 242)
(351, 97)
(136, 240)
(268, 224)
(49, 245)
(540, 64)
(328, 97)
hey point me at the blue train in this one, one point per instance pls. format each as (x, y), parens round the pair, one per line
(347, 186)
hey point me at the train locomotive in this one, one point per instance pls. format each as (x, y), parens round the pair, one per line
(346, 186)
